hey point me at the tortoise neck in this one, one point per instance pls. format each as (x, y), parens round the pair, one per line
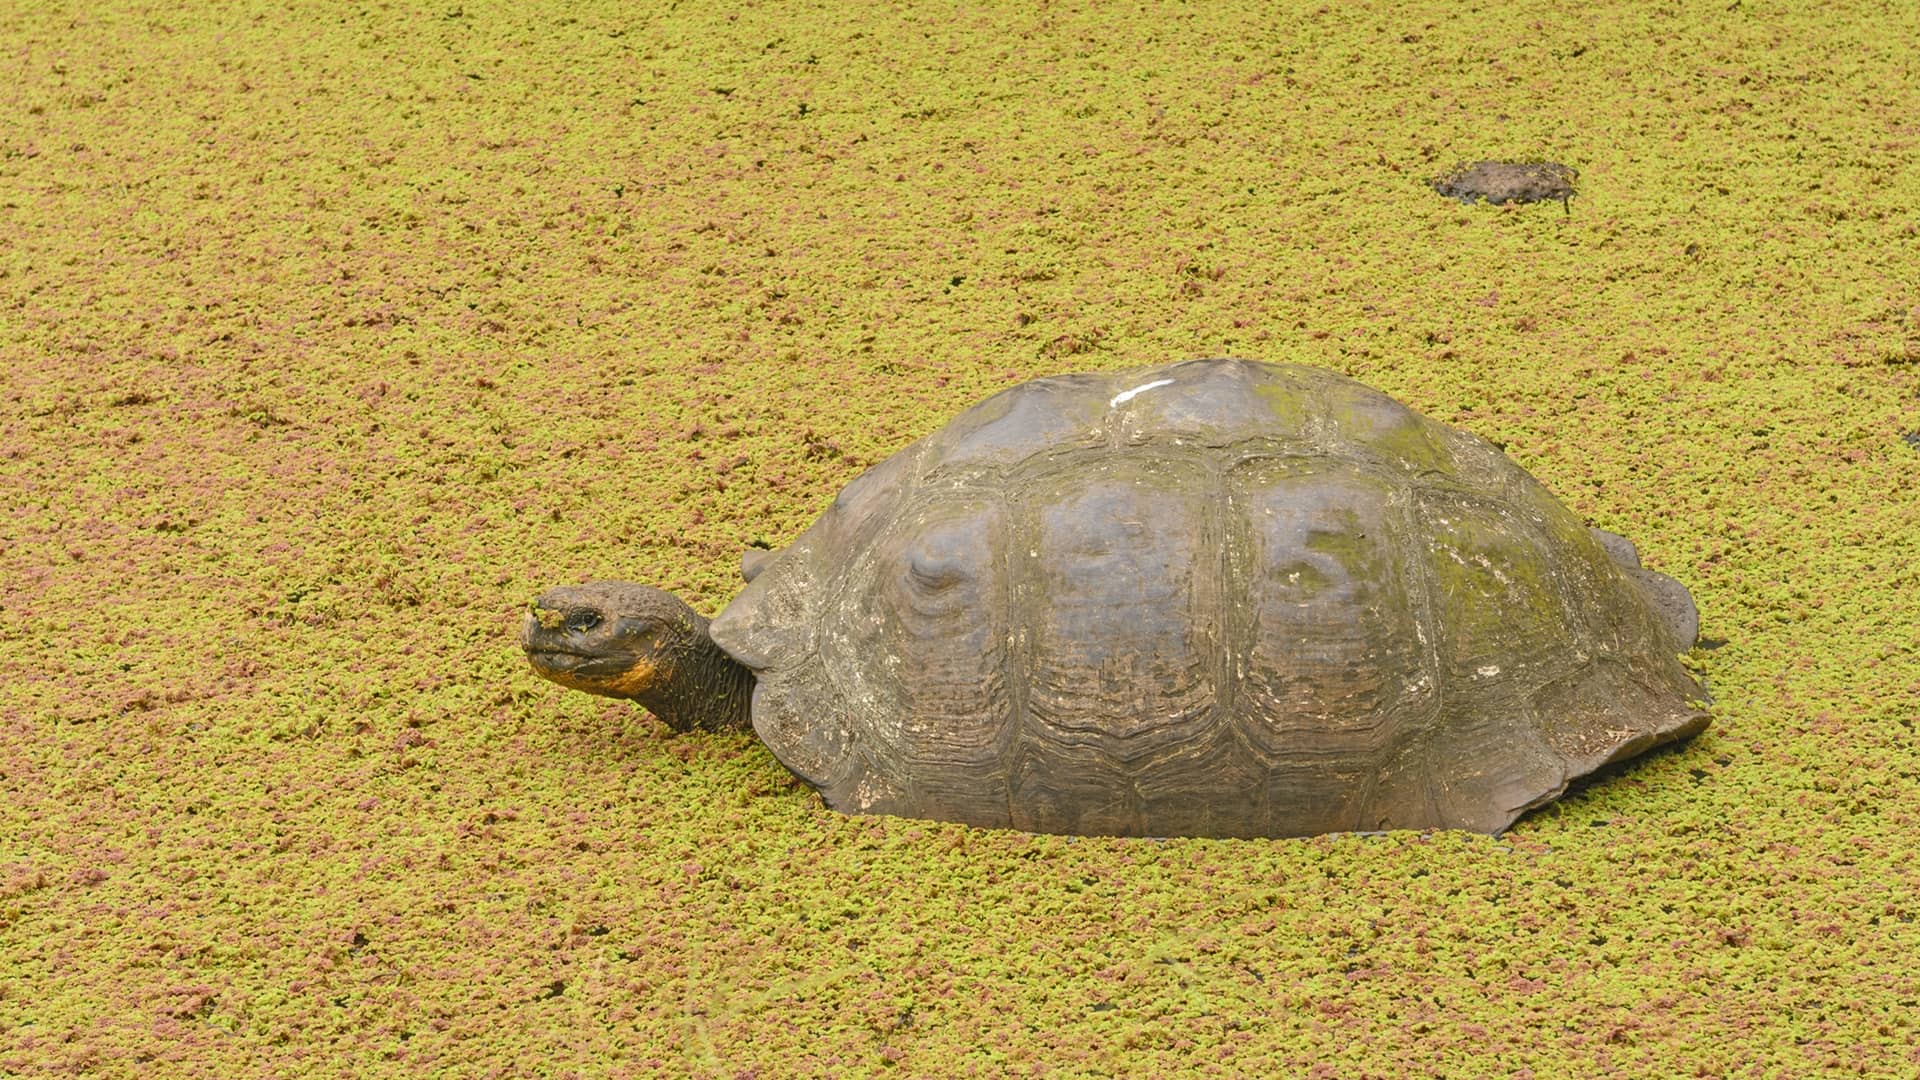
(705, 689)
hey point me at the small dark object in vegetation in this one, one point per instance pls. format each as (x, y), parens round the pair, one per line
(1509, 181)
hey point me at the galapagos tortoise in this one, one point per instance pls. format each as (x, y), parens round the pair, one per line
(1214, 598)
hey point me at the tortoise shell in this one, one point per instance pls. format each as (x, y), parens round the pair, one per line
(1214, 598)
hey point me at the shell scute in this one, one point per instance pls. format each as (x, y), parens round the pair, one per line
(1502, 608)
(1209, 404)
(1613, 709)
(1072, 789)
(919, 645)
(1119, 597)
(1485, 769)
(1042, 416)
(1335, 655)
(1364, 423)
(1180, 791)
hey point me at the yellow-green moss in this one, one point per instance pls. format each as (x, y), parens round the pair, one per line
(330, 334)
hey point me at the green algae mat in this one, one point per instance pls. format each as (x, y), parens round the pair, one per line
(331, 333)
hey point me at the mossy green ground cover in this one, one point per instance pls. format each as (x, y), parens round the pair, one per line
(330, 333)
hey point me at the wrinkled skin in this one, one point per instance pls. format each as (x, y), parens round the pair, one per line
(621, 640)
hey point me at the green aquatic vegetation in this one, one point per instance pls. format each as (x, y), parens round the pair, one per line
(329, 336)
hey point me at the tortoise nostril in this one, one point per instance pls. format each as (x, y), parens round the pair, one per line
(582, 621)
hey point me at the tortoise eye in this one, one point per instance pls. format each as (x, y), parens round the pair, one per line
(582, 621)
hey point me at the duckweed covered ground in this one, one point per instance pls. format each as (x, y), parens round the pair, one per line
(329, 333)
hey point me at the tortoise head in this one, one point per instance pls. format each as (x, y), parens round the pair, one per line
(622, 640)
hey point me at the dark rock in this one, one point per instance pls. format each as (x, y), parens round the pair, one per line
(1509, 181)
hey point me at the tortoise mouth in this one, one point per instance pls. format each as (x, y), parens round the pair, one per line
(551, 657)
(548, 660)
(620, 676)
